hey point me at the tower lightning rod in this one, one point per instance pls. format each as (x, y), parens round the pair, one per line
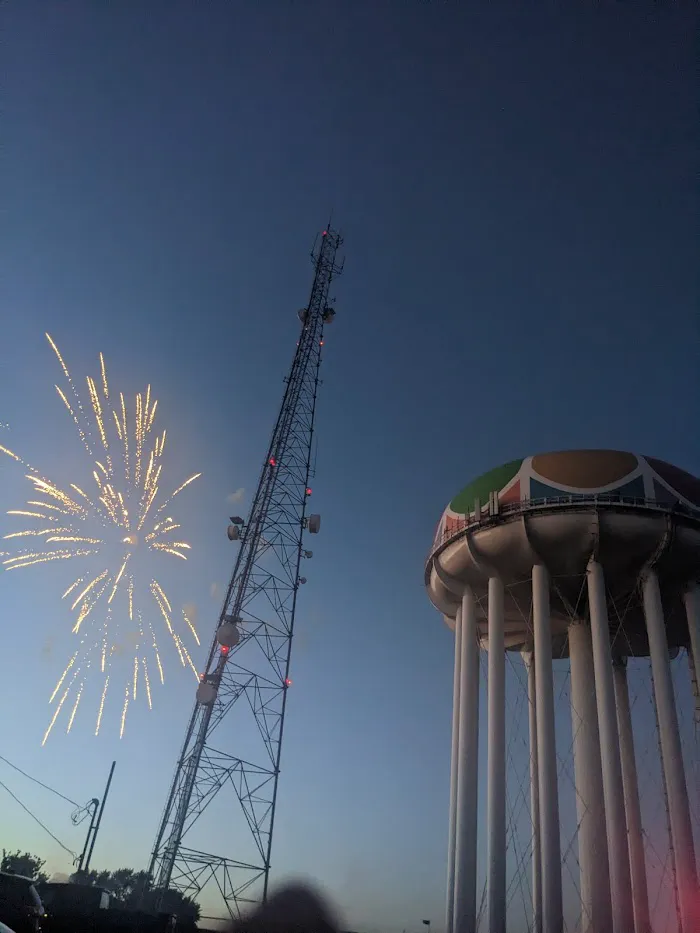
(250, 653)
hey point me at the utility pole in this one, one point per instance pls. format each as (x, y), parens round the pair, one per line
(95, 825)
(248, 666)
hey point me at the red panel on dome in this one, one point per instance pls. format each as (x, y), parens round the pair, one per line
(453, 525)
(684, 483)
(512, 495)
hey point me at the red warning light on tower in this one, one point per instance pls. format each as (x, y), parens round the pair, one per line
(277, 520)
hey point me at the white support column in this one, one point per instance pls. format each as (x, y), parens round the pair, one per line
(534, 794)
(596, 909)
(464, 919)
(496, 807)
(635, 839)
(692, 610)
(618, 855)
(454, 766)
(552, 912)
(671, 754)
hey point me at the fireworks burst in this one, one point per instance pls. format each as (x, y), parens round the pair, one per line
(113, 523)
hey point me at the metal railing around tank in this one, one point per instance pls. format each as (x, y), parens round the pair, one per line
(457, 526)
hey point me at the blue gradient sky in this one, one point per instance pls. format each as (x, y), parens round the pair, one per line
(516, 193)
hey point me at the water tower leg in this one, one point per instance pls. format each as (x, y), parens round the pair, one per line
(454, 765)
(692, 609)
(596, 909)
(496, 792)
(618, 854)
(534, 794)
(671, 755)
(552, 912)
(635, 839)
(467, 772)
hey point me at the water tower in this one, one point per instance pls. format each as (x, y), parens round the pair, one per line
(591, 556)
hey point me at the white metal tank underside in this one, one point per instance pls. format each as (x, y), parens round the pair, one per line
(625, 539)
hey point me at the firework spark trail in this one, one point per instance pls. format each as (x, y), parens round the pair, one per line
(75, 706)
(125, 437)
(160, 530)
(74, 538)
(9, 453)
(191, 627)
(75, 393)
(87, 607)
(126, 706)
(167, 550)
(97, 409)
(45, 557)
(139, 439)
(44, 505)
(87, 588)
(50, 518)
(124, 503)
(164, 606)
(75, 419)
(105, 387)
(55, 715)
(72, 587)
(35, 532)
(119, 576)
(102, 705)
(43, 487)
(147, 682)
(156, 653)
(186, 653)
(159, 590)
(178, 491)
(63, 675)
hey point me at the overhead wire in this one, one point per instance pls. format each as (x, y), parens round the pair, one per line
(40, 783)
(37, 820)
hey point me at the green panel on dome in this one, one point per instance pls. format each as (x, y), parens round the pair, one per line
(493, 481)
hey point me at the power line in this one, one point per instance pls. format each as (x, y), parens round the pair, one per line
(40, 783)
(37, 820)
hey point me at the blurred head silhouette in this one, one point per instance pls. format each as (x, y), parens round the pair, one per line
(296, 908)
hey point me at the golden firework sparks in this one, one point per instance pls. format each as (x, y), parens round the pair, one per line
(121, 516)
(55, 715)
(100, 711)
(75, 706)
(190, 625)
(147, 682)
(72, 587)
(87, 588)
(124, 709)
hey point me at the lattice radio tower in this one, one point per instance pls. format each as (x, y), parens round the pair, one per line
(247, 671)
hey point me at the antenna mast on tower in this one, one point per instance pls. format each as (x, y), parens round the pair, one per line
(247, 671)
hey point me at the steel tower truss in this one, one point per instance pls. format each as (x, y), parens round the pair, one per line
(249, 660)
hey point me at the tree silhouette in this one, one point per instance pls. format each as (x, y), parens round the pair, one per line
(133, 890)
(23, 863)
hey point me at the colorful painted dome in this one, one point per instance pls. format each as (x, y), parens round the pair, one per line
(578, 473)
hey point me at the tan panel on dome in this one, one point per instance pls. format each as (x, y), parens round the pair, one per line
(584, 469)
